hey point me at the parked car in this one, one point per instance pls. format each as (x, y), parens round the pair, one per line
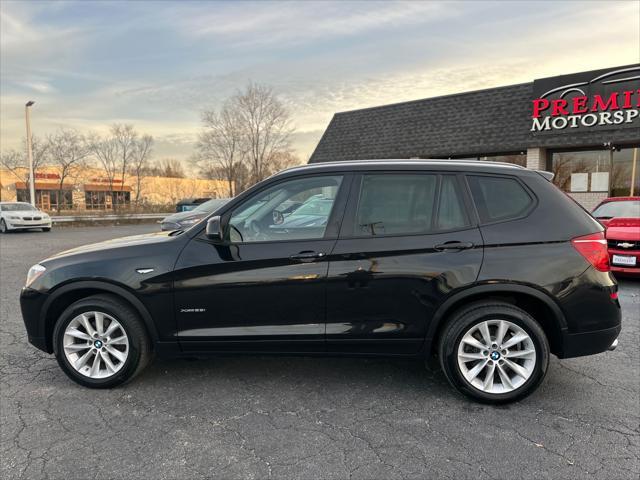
(22, 216)
(188, 218)
(189, 204)
(488, 267)
(621, 217)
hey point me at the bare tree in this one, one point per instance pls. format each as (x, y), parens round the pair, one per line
(125, 137)
(222, 145)
(265, 124)
(67, 150)
(106, 151)
(247, 140)
(168, 167)
(17, 163)
(140, 161)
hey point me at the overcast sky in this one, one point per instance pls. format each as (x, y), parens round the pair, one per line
(157, 64)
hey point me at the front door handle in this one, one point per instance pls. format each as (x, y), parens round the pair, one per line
(443, 247)
(307, 256)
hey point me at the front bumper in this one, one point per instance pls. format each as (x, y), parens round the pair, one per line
(18, 225)
(627, 270)
(31, 305)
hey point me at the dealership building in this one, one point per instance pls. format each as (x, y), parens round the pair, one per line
(583, 127)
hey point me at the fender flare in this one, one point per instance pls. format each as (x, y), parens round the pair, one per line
(106, 287)
(488, 289)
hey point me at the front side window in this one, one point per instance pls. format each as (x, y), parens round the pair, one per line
(292, 210)
(499, 198)
(396, 204)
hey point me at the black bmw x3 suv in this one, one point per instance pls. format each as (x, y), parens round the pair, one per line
(487, 267)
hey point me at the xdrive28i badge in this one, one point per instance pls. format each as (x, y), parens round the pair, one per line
(193, 310)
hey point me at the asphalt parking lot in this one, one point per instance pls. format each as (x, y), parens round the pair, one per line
(243, 417)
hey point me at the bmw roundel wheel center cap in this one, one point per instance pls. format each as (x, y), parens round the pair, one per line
(495, 355)
(98, 344)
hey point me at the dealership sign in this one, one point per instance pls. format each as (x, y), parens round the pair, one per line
(603, 99)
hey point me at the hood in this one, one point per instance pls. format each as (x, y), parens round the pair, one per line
(620, 228)
(135, 240)
(177, 217)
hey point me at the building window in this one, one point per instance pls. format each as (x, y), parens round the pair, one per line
(582, 171)
(624, 174)
(609, 171)
(104, 200)
(48, 199)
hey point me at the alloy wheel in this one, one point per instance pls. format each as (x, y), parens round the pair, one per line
(95, 344)
(496, 356)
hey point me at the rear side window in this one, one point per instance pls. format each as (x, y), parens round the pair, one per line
(396, 204)
(499, 198)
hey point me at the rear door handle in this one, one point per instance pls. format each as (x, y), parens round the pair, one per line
(307, 256)
(443, 247)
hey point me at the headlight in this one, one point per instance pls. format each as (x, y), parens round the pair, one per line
(34, 272)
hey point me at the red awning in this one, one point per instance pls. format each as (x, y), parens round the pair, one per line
(44, 186)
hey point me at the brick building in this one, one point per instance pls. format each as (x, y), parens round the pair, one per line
(584, 127)
(88, 189)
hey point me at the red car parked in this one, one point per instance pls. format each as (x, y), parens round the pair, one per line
(621, 217)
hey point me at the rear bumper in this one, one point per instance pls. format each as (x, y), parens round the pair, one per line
(589, 343)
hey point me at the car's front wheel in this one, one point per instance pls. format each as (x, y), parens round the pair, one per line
(494, 352)
(100, 342)
(3, 227)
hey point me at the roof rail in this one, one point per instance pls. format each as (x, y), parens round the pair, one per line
(410, 161)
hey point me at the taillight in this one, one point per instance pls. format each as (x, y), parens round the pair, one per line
(593, 247)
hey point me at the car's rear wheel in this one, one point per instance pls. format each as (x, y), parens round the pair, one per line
(46, 229)
(494, 352)
(100, 342)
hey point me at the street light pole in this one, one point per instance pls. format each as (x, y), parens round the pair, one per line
(32, 180)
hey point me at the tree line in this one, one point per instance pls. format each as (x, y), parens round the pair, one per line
(244, 141)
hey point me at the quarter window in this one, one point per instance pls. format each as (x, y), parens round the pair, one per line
(451, 209)
(292, 210)
(499, 198)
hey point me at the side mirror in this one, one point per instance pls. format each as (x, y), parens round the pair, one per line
(214, 229)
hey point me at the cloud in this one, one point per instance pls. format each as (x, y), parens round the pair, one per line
(286, 23)
(157, 65)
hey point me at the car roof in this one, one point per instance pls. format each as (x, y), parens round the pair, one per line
(409, 164)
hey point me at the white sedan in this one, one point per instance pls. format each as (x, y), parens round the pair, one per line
(22, 216)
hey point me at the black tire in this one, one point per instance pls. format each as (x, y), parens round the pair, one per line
(47, 229)
(3, 227)
(464, 319)
(139, 344)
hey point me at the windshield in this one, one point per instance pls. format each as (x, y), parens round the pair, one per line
(18, 207)
(623, 208)
(208, 206)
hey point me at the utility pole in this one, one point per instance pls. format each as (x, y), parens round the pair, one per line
(32, 180)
